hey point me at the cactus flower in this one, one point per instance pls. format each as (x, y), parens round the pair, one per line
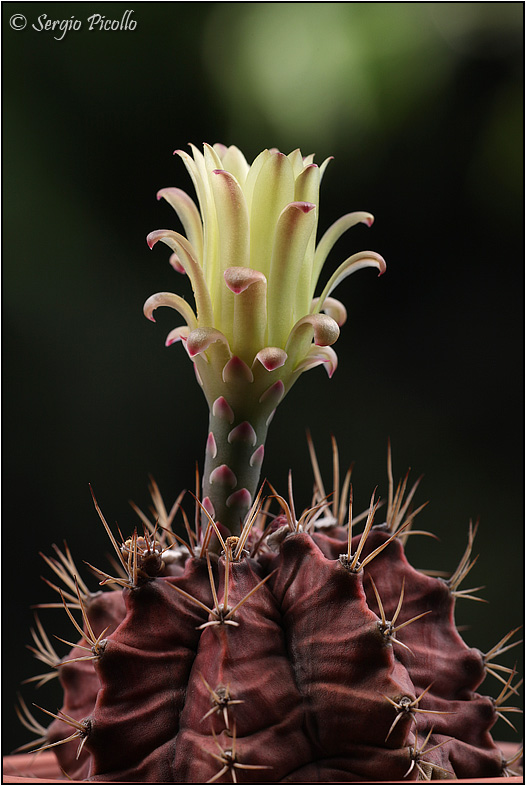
(251, 255)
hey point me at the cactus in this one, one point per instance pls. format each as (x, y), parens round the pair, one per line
(266, 645)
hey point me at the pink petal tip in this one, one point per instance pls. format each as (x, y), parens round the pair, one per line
(222, 409)
(224, 475)
(240, 498)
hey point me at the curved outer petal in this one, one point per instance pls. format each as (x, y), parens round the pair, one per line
(272, 358)
(334, 232)
(186, 255)
(273, 190)
(188, 213)
(172, 301)
(200, 339)
(351, 265)
(177, 334)
(324, 329)
(238, 279)
(334, 308)
(295, 226)
(175, 262)
(321, 327)
(316, 356)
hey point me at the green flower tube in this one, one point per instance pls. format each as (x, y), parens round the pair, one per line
(251, 256)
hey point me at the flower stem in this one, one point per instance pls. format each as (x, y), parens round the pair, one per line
(241, 401)
(234, 454)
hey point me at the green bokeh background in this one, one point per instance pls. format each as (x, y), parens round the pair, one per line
(421, 105)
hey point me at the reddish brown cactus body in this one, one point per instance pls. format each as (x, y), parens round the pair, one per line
(292, 680)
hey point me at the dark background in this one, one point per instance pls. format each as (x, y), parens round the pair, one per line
(421, 105)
